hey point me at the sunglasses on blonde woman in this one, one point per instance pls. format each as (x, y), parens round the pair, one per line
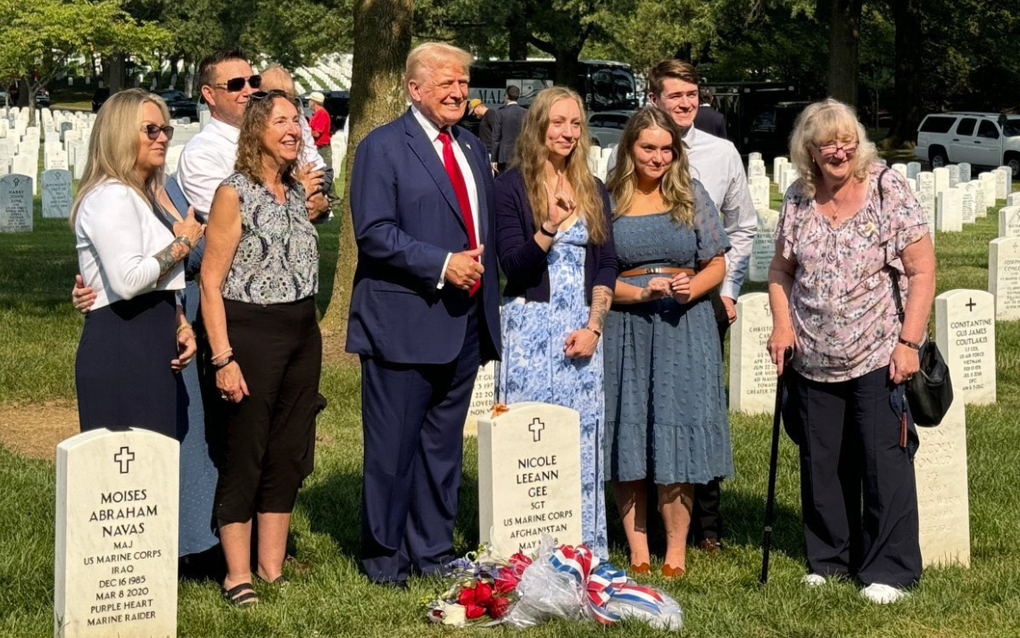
(152, 131)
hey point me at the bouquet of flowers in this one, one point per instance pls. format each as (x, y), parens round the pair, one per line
(560, 582)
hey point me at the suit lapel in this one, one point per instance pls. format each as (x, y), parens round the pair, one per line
(422, 147)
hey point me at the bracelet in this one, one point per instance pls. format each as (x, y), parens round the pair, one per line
(224, 363)
(541, 229)
(217, 356)
(184, 326)
(598, 333)
(181, 239)
(910, 344)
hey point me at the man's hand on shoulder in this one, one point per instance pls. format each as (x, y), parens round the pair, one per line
(465, 268)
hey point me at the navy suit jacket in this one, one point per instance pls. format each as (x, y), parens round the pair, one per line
(406, 220)
(710, 121)
(508, 127)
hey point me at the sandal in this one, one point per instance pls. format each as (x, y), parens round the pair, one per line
(279, 581)
(240, 595)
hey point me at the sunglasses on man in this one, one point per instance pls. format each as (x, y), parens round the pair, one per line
(152, 131)
(233, 85)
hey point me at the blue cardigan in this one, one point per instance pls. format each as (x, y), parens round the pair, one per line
(524, 262)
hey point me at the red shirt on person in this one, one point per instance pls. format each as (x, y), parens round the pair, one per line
(320, 126)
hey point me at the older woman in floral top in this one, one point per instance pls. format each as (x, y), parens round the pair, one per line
(850, 231)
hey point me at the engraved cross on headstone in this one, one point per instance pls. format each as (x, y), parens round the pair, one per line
(970, 305)
(536, 428)
(124, 457)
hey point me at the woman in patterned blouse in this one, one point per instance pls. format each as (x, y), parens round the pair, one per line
(259, 279)
(849, 233)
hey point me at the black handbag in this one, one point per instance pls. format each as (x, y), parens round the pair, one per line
(930, 391)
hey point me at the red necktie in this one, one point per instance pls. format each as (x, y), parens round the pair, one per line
(460, 189)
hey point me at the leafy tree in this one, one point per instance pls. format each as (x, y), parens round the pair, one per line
(42, 38)
(296, 32)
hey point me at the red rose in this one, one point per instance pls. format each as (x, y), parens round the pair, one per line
(483, 593)
(519, 562)
(467, 596)
(506, 581)
(473, 611)
(498, 606)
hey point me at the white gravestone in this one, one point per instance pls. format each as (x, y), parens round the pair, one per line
(56, 160)
(1003, 182)
(1009, 221)
(752, 373)
(764, 246)
(1004, 277)
(529, 477)
(756, 169)
(926, 196)
(115, 571)
(979, 198)
(1013, 199)
(761, 188)
(900, 168)
(964, 171)
(27, 165)
(965, 329)
(941, 179)
(15, 204)
(943, 506)
(988, 181)
(753, 156)
(968, 203)
(483, 397)
(913, 168)
(954, 175)
(949, 219)
(56, 193)
(777, 167)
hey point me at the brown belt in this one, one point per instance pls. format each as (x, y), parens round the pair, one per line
(658, 270)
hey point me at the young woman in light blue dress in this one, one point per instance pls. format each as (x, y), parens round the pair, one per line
(555, 246)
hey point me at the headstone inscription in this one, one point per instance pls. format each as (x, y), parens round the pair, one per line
(1003, 182)
(968, 203)
(15, 204)
(1004, 277)
(913, 168)
(56, 193)
(988, 181)
(954, 175)
(752, 373)
(1009, 221)
(965, 171)
(756, 168)
(764, 246)
(115, 571)
(965, 333)
(760, 191)
(483, 397)
(943, 506)
(979, 198)
(529, 477)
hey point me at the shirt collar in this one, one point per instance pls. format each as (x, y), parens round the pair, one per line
(221, 128)
(430, 129)
(689, 137)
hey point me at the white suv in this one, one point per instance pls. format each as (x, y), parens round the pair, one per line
(982, 139)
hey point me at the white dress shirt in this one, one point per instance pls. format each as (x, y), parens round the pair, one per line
(716, 163)
(309, 154)
(206, 161)
(465, 168)
(117, 235)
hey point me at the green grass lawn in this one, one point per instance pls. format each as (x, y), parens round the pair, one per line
(38, 336)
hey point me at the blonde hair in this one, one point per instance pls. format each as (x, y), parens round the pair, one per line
(276, 77)
(253, 128)
(431, 55)
(114, 144)
(675, 183)
(823, 122)
(530, 156)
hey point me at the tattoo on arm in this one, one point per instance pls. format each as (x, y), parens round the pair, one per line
(601, 300)
(170, 256)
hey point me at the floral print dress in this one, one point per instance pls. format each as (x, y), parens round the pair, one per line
(534, 368)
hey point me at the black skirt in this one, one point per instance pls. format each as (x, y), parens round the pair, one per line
(122, 371)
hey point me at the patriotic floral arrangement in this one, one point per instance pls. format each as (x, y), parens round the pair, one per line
(559, 582)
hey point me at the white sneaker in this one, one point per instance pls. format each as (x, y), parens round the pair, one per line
(813, 580)
(883, 594)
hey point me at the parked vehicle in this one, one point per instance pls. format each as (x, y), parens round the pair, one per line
(603, 85)
(42, 98)
(981, 139)
(179, 105)
(759, 115)
(606, 127)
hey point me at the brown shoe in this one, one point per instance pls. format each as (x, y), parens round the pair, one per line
(643, 568)
(668, 571)
(710, 546)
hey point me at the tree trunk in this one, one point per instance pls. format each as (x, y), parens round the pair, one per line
(568, 67)
(517, 32)
(844, 38)
(117, 79)
(26, 97)
(907, 111)
(382, 39)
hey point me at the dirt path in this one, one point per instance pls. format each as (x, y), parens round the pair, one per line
(35, 429)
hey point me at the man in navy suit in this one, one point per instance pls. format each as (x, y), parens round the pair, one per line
(509, 119)
(424, 312)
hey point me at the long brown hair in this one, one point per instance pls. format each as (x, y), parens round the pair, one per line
(113, 146)
(675, 184)
(249, 142)
(530, 156)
